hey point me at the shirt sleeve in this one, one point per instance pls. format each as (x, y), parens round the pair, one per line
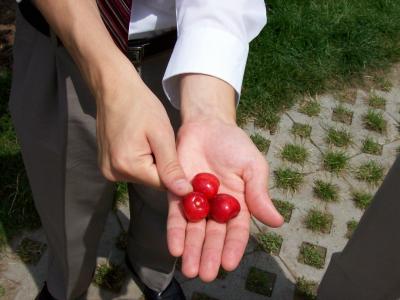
(213, 39)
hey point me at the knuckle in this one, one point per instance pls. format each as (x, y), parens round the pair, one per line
(171, 169)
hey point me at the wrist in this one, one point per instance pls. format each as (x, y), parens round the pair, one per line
(206, 98)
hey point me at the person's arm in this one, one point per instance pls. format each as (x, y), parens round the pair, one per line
(132, 124)
(207, 71)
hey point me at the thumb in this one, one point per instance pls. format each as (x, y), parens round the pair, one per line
(171, 173)
(257, 198)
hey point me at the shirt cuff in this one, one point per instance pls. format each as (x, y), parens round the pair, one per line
(207, 51)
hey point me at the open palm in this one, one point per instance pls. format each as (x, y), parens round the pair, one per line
(225, 151)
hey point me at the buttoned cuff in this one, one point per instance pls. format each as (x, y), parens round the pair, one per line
(207, 51)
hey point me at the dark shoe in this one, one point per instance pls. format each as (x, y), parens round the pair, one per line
(45, 294)
(172, 292)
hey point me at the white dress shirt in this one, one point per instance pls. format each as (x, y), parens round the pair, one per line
(213, 36)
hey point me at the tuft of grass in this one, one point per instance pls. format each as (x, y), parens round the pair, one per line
(267, 121)
(318, 221)
(382, 83)
(306, 288)
(312, 255)
(338, 137)
(120, 195)
(373, 120)
(110, 277)
(370, 172)
(326, 191)
(285, 208)
(261, 142)
(30, 251)
(311, 108)
(260, 281)
(376, 101)
(301, 130)
(370, 146)
(348, 95)
(295, 153)
(351, 226)
(362, 199)
(270, 242)
(2, 291)
(335, 161)
(312, 46)
(342, 114)
(288, 179)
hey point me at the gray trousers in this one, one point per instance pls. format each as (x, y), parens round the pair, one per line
(54, 116)
(369, 266)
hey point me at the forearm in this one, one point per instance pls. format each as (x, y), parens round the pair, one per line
(79, 26)
(206, 97)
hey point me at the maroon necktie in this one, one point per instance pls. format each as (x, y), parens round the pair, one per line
(116, 15)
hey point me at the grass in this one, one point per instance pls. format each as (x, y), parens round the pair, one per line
(301, 130)
(30, 251)
(306, 288)
(110, 276)
(376, 101)
(373, 120)
(335, 161)
(312, 255)
(351, 226)
(371, 172)
(261, 142)
(265, 121)
(260, 281)
(270, 242)
(288, 179)
(309, 47)
(342, 114)
(338, 137)
(362, 199)
(285, 208)
(311, 108)
(370, 146)
(2, 291)
(295, 153)
(120, 195)
(382, 83)
(326, 191)
(318, 221)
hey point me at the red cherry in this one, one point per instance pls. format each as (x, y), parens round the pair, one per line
(224, 207)
(195, 206)
(206, 183)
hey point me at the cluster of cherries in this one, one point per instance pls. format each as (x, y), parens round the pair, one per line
(205, 201)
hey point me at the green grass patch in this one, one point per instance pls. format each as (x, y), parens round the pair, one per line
(362, 199)
(110, 276)
(266, 121)
(288, 179)
(342, 114)
(2, 291)
(270, 242)
(382, 83)
(295, 153)
(30, 251)
(351, 226)
(306, 289)
(338, 137)
(370, 146)
(326, 191)
(301, 130)
(285, 208)
(318, 221)
(312, 255)
(335, 161)
(370, 172)
(374, 120)
(261, 142)
(376, 101)
(120, 195)
(17, 211)
(309, 47)
(260, 281)
(311, 108)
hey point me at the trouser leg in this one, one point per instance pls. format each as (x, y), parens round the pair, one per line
(147, 244)
(53, 113)
(369, 266)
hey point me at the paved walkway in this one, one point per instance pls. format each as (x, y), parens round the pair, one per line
(322, 198)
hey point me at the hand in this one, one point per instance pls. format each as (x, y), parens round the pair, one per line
(211, 145)
(135, 138)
